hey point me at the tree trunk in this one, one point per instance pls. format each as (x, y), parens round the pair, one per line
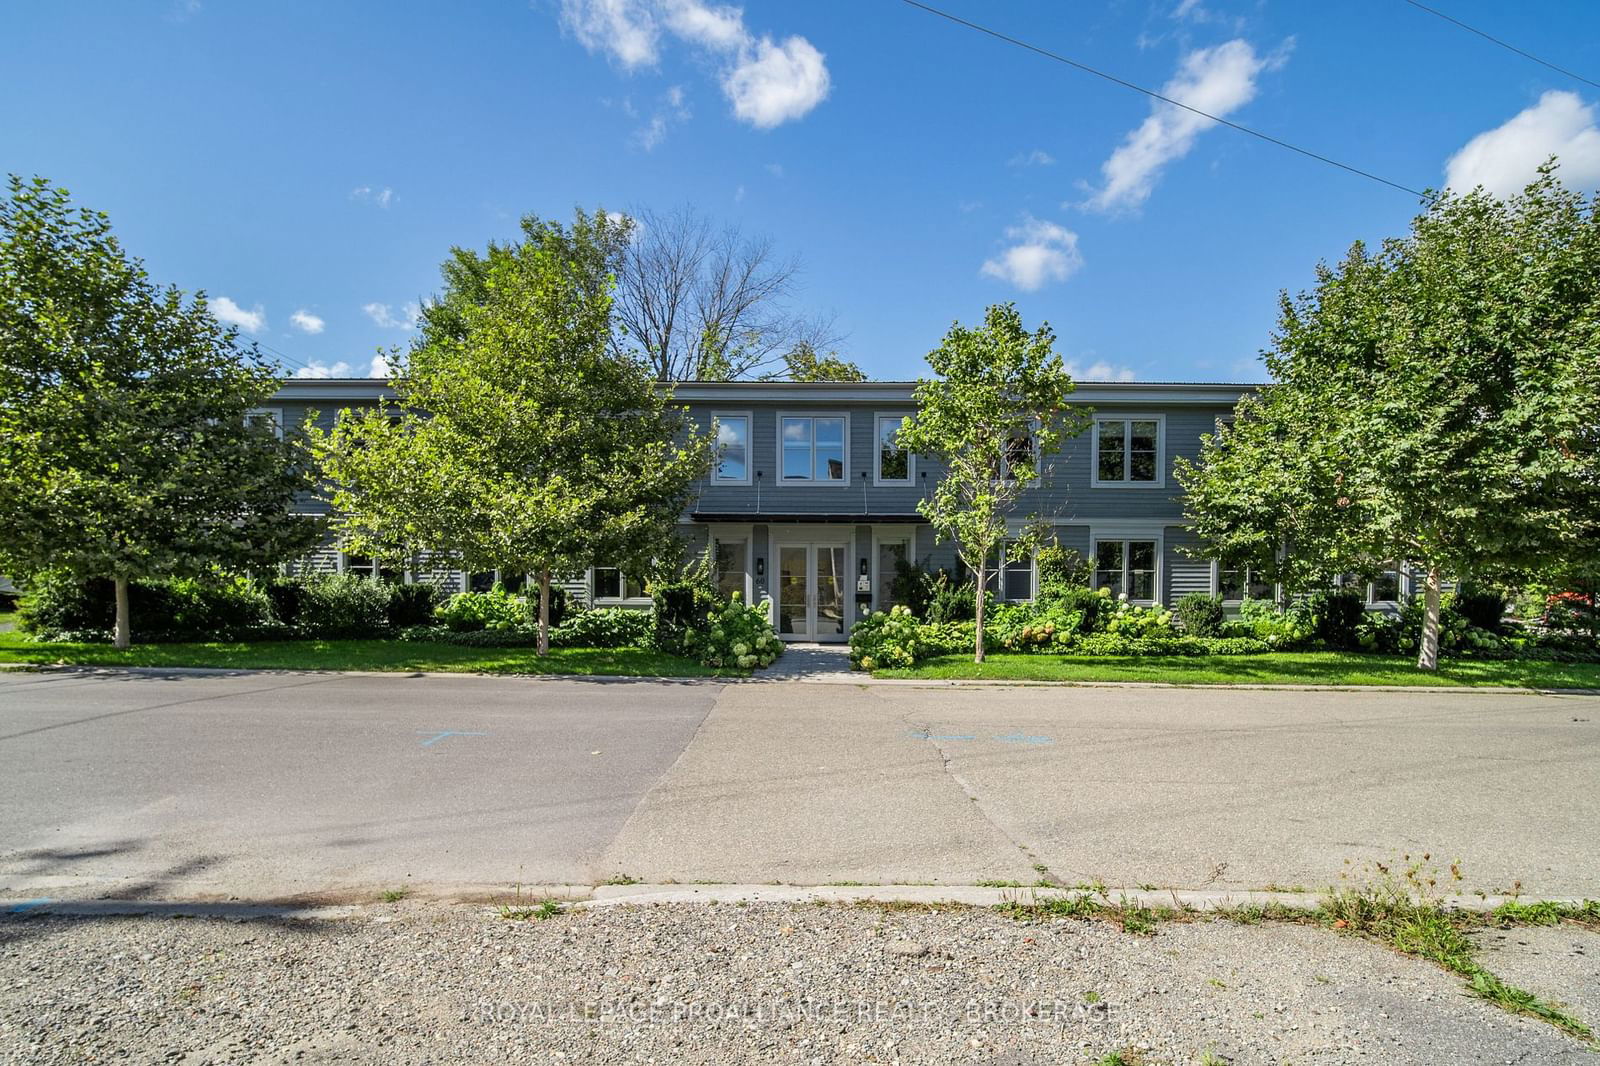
(124, 632)
(983, 578)
(1428, 650)
(544, 612)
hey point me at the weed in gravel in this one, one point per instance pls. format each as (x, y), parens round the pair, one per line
(393, 895)
(545, 908)
(1133, 917)
(620, 879)
(1125, 1057)
(1400, 909)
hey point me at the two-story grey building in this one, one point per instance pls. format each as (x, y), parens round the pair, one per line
(811, 504)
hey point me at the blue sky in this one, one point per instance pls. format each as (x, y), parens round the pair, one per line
(311, 163)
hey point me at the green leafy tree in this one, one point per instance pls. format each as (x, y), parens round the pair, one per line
(804, 364)
(994, 414)
(524, 442)
(1436, 403)
(127, 445)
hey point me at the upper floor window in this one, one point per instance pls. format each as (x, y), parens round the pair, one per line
(894, 462)
(1127, 451)
(272, 416)
(1017, 458)
(733, 449)
(813, 447)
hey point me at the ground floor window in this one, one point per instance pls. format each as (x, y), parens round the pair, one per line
(1126, 566)
(366, 566)
(1016, 575)
(610, 583)
(1243, 583)
(730, 562)
(1385, 587)
(893, 553)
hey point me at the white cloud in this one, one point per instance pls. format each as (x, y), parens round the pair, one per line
(378, 368)
(1100, 370)
(306, 322)
(383, 316)
(1218, 80)
(1042, 252)
(319, 369)
(624, 28)
(774, 83)
(1036, 158)
(1503, 160)
(251, 321)
(672, 108)
(767, 82)
(367, 194)
(716, 27)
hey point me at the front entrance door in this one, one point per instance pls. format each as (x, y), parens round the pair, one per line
(811, 592)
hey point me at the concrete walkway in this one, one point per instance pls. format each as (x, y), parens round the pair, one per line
(810, 662)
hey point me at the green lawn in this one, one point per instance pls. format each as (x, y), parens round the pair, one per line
(361, 655)
(1285, 668)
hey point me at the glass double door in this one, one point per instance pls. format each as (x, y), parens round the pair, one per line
(811, 592)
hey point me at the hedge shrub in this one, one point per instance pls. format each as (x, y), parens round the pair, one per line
(1200, 614)
(681, 607)
(58, 606)
(890, 638)
(736, 635)
(605, 627)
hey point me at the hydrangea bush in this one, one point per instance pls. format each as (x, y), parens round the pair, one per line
(891, 638)
(1134, 622)
(736, 635)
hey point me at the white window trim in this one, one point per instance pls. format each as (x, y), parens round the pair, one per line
(745, 533)
(813, 481)
(614, 601)
(749, 447)
(1033, 577)
(1216, 584)
(275, 413)
(1125, 534)
(897, 534)
(1161, 452)
(877, 454)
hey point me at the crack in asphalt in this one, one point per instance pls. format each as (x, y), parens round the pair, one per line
(976, 801)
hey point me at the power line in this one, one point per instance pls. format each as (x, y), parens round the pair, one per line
(1503, 44)
(1036, 49)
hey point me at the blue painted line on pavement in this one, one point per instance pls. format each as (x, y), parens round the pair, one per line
(435, 737)
(27, 905)
(1023, 738)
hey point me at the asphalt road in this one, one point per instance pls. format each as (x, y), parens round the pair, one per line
(265, 785)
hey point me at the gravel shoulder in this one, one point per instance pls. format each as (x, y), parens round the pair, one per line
(413, 983)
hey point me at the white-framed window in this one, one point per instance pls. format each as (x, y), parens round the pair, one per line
(1235, 584)
(274, 415)
(1385, 587)
(366, 566)
(1130, 565)
(733, 448)
(1019, 454)
(1009, 575)
(892, 464)
(1129, 451)
(612, 585)
(813, 449)
(893, 547)
(1016, 575)
(730, 566)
